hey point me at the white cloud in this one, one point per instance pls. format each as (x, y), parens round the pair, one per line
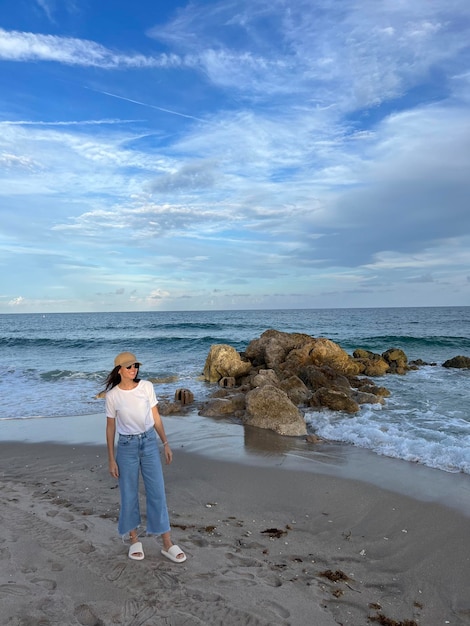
(193, 176)
(13, 160)
(17, 301)
(21, 46)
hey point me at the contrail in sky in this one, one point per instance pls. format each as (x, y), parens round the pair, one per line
(144, 104)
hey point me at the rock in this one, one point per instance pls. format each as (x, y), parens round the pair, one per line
(392, 361)
(334, 400)
(316, 377)
(416, 363)
(397, 360)
(224, 361)
(367, 386)
(273, 346)
(218, 407)
(376, 368)
(366, 398)
(360, 353)
(223, 392)
(296, 390)
(172, 408)
(269, 407)
(265, 377)
(326, 352)
(372, 364)
(462, 362)
(298, 357)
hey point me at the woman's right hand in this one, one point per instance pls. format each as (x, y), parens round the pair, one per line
(113, 469)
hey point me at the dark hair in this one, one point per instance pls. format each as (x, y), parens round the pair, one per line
(114, 378)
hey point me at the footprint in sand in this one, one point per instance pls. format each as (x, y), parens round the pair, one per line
(45, 583)
(242, 561)
(4, 553)
(272, 580)
(137, 614)
(12, 589)
(231, 577)
(116, 572)
(165, 580)
(276, 608)
(86, 547)
(56, 567)
(86, 617)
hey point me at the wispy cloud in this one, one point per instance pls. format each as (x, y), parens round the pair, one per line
(21, 47)
(65, 122)
(47, 8)
(374, 51)
(13, 160)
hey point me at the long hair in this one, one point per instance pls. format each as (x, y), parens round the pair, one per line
(114, 378)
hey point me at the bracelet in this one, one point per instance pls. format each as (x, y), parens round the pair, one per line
(165, 443)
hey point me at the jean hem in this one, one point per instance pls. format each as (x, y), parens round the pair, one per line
(152, 533)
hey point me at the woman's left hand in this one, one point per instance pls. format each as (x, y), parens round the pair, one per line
(168, 454)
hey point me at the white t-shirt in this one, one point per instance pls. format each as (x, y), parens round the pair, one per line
(132, 408)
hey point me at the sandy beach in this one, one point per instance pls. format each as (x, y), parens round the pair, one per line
(266, 545)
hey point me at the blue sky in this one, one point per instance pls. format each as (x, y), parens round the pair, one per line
(241, 154)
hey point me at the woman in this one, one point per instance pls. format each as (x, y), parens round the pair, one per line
(131, 410)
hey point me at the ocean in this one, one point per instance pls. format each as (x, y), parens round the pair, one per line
(55, 364)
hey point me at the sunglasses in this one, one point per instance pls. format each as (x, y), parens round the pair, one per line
(136, 365)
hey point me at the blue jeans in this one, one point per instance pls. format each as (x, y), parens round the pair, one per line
(139, 453)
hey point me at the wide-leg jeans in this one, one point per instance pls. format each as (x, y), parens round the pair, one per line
(135, 454)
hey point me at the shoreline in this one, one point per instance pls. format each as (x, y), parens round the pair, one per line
(265, 546)
(223, 440)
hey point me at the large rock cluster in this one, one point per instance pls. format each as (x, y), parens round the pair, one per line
(280, 373)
